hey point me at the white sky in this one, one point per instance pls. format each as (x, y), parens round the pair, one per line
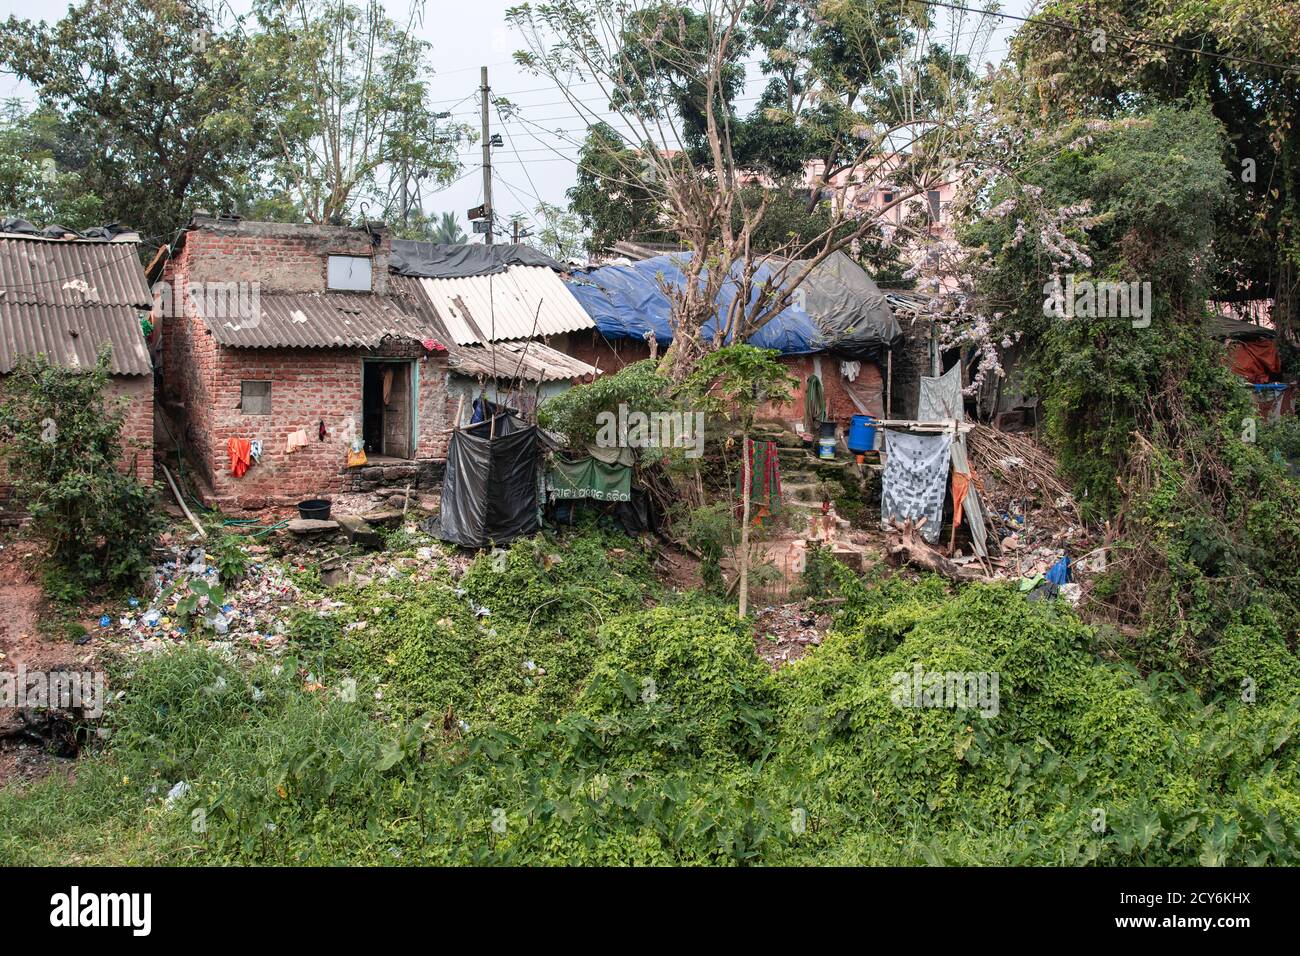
(535, 162)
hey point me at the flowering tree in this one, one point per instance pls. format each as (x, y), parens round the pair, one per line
(667, 78)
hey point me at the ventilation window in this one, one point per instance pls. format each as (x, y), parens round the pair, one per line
(255, 398)
(349, 273)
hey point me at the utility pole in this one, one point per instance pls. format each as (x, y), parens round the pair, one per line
(515, 226)
(487, 157)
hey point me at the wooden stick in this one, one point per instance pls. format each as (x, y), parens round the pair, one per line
(181, 501)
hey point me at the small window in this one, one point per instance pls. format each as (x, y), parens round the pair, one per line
(886, 197)
(935, 211)
(255, 398)
(350, 273)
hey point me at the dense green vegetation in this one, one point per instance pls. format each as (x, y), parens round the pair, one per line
(588, 718)
(61, 440)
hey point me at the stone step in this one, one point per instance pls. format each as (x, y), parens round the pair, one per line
(359, 532)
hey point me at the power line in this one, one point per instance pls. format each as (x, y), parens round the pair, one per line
(1091, 31)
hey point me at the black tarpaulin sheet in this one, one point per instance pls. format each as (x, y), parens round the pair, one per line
(56, 231)
(434, 260)
(489, 493)
(849, 308)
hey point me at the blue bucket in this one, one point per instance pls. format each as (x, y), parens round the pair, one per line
(862, 434)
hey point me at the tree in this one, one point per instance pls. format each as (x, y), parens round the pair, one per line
(448, 230)
(159, 108)
(358, 126)
(1243, 58)
(610, 203)
(62, 442)
(33, 183)
(561, 233)
(668, 73)
(1153, 187)
(733, 381)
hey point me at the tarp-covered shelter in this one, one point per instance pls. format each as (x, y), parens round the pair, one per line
(1252, 349)
(837, 308)
(490, 494)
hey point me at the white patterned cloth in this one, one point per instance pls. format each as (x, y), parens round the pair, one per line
(915, 480)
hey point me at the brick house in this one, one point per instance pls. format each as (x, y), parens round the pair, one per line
(65, 297)
(275, 329)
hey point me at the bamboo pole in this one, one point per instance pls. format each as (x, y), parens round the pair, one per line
(181, 501)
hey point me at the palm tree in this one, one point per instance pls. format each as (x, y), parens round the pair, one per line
(447, 230)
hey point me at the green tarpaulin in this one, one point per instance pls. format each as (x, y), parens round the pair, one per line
(588, 478)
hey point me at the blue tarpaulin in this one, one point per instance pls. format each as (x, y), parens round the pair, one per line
(628, 301)
(837, 308)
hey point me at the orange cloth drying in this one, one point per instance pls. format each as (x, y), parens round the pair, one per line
(240, 451)
(960, 485)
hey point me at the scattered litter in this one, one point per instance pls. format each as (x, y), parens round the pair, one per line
(176, 794)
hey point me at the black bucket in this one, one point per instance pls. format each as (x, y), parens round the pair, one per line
(315, 509)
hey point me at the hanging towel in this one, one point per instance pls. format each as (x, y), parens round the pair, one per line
(764, 479)
(240, 451)
(295, 441)
(388, 384)
(255, 449)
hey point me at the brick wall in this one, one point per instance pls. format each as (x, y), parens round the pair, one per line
(281, 257)
(608, 355)
(309, 386)
(868, 387)
(135, 392)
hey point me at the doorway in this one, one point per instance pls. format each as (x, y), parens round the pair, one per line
(388, 408)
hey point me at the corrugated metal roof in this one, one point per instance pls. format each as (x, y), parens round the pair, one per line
(72, 337)
(520, 303)
(530, 361)
(65, 299)
(319, 320)
(71, 272)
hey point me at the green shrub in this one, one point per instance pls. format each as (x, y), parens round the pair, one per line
(62, 444)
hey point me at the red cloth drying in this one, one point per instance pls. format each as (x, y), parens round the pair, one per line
(241, 455)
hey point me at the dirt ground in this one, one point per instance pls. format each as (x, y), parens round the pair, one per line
(22, 755)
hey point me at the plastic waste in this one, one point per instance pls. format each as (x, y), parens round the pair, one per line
(176, 794)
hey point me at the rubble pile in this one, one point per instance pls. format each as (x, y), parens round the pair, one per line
(786, 632)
